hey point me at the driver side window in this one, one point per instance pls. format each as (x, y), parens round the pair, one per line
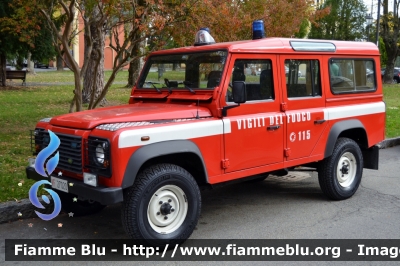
(257, 74)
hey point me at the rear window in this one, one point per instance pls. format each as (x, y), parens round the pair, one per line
(352, 75)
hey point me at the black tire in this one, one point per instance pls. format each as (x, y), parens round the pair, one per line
(143, 217)
(79, 207)
(346, 159)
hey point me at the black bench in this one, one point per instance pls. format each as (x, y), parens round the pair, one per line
(16, 74)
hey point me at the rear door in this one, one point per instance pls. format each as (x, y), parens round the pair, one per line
(304, 104)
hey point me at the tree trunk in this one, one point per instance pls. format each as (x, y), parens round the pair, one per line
(30, 67)
(93, 78)
(60, 63)
(134, 65)
(390, 35)
(3, 69)
(134, 70)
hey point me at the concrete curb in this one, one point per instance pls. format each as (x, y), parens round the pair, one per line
(9, 210)
(387, 143)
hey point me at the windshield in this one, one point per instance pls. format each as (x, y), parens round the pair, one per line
(189, 71)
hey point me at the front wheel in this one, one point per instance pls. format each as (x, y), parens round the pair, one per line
(163, 206)
(340, 174)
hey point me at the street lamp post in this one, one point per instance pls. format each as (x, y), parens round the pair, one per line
(369, 19)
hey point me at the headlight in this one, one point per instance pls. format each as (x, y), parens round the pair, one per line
(100, 151)
(97, 156)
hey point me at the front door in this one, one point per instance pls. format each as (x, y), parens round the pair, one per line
(257, 126)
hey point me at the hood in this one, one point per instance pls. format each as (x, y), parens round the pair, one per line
(128, 113)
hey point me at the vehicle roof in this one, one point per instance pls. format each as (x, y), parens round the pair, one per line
(279, 45)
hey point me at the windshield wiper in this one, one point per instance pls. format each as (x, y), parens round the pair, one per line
(154, 86)
(168, 85)
(187, 83)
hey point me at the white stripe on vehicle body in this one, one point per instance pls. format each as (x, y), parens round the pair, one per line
(198, 129)
(333, 113)
(132, 138)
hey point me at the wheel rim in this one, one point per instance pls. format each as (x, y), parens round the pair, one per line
(346, 169)
(167, 209)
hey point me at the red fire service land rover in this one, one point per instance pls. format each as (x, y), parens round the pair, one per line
(220, 112)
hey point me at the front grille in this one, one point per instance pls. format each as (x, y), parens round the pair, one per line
(70, 149)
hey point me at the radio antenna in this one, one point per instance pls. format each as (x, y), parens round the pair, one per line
(197, 115)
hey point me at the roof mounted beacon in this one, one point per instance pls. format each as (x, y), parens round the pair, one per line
(203, 37)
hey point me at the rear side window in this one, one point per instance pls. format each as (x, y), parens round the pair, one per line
(352, 75)
(303, 78)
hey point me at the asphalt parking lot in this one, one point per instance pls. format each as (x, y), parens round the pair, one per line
(290, 207)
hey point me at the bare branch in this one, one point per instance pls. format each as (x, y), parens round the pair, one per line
(64, 6)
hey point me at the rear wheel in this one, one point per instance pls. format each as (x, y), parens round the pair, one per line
(340, 174)
(163, 206)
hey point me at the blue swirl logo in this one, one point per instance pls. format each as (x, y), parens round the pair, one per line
(40, 169)
(45, 153)
(35, 201)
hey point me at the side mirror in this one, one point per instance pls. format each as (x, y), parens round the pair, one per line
(239, 92)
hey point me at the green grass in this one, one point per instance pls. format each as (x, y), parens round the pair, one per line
(392, 100)
(68, 76)
(22, 107)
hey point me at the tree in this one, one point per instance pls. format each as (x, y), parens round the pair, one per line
(143, 17)
(231, 20)
(23, 34)
(15, 35)
(139, 19)
(346, 21)
(162, 17)
(6, 41)
(94, 33)
(382, 50)
(44, 48)
(390, 36)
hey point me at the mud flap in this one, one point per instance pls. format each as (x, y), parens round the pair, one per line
(371, 158)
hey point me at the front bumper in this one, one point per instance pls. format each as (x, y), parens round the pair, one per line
(104, 195)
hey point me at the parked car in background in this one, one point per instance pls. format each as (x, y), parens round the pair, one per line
(370, 75)
(287, 72)
(41, 64)
(396, 74)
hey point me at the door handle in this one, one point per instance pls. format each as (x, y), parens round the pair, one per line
(272, 128)
(319, 121)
